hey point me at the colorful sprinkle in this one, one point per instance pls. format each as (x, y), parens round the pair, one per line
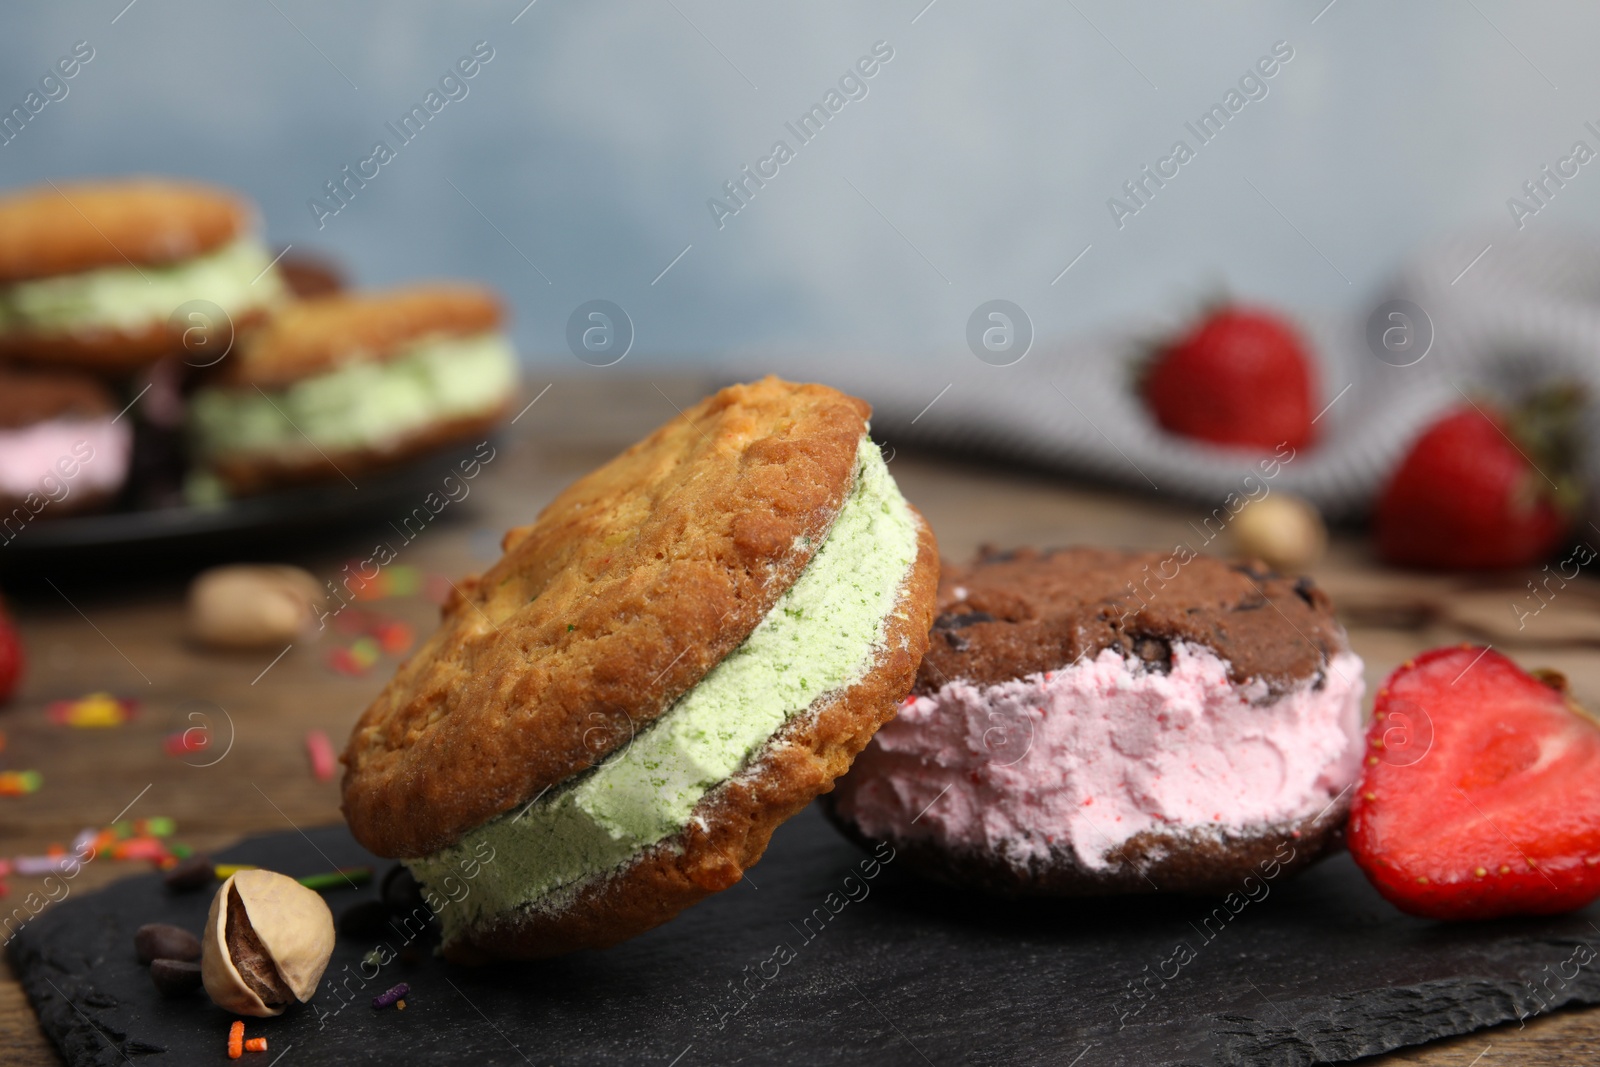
(19, 783)
(228, 870)
(344, 876)
(391, 996)
(395, 638)
(320, 749)
(256, 1044)
(185, 741)
(95, 711)
(236, 1039)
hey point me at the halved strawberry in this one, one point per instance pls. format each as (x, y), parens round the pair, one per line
(1480, 794)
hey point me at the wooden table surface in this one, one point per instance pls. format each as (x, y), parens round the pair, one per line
(130, 642)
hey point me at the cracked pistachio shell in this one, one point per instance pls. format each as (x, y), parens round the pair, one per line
(294, 926)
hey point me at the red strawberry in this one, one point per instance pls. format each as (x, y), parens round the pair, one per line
(1483, 489)
(1480, 796)
(10, 656)
(1239, 377)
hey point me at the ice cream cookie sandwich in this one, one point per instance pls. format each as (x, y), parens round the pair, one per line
(1097, 722)
(685, 648)
(92, 273)
(338, 385)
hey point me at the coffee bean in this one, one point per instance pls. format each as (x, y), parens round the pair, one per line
(196, 872)
(400, 890)
(175, 978)
(368, 919)
(160, 941)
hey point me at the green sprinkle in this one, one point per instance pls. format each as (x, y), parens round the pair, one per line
(343, 877)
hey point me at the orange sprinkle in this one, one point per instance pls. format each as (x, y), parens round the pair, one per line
(236, 1039)
(400, 1005)
(256, 1044)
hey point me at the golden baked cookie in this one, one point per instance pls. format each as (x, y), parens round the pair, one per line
(312, 336)
(77, 226)
(687, 646)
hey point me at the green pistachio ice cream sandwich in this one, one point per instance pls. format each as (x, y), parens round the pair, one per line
(685, 648)
(340, 384)
(102, 275)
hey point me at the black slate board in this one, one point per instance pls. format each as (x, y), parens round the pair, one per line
(1318, 970)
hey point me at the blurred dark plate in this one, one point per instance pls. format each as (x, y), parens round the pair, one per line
(160, 539)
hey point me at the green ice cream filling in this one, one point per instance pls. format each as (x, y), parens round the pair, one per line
(823, 635)
(361, 404)
(234, 277)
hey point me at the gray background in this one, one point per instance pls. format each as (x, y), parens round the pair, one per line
(981, 159)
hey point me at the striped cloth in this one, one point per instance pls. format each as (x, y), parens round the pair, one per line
(1527, 311)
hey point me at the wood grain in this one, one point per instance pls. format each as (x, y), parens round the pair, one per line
(129, 641)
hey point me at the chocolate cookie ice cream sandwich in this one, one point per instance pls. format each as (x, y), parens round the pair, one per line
(1098, 722)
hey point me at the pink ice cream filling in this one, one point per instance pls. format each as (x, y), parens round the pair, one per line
(79, 454)
(1091, 755)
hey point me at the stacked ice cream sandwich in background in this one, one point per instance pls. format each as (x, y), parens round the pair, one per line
(146, 327)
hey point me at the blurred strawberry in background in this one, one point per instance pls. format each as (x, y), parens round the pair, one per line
(10, 656)
(1239, 376)
(1484, 487)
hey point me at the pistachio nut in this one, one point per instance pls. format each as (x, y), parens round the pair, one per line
(267, 941)
(252, 605)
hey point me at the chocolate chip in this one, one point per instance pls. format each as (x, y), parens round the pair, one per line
(162, 941)
(196, 872)
(957, 642)
(1305, 589)
(1154, 652)
(175, 978)
(400, 890)
(949, 621)
(368, 919)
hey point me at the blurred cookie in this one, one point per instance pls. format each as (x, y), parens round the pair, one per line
(1090, 722)
(308, 274)
(333, 386)
(62, 448)
(684, 649)
(91, 273)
